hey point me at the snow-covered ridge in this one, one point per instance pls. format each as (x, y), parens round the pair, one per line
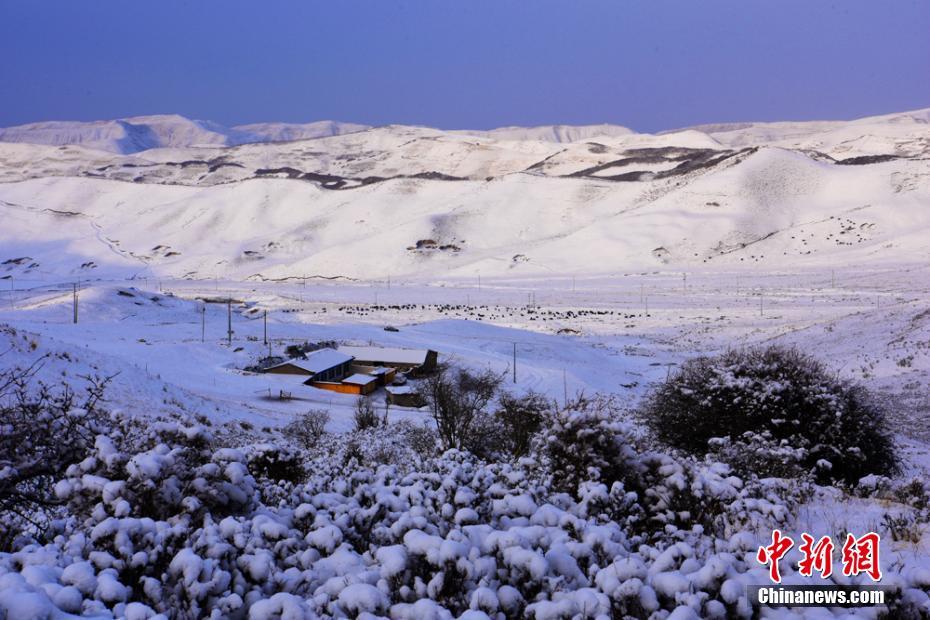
(285, 132)
(411, 201)
(904, 132)
(552, 133)
(140, 133)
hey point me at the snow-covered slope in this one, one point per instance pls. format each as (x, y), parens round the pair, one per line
(284, 132)
(140, 133)
(422, 202)
(552, 133)
(905, 133)
(129, 135)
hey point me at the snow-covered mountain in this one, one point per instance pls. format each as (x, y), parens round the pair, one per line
(907, 132)
(284, 132)
(140, 133)
(421, 202)
(552, 133)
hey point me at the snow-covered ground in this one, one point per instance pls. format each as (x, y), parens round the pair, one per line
(572, 334)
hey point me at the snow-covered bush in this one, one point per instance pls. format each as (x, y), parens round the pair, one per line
(782, 392)
(403, 444)
(759, 455)
(586, 441)
(440, 538)
(170, 470)
(160, 518)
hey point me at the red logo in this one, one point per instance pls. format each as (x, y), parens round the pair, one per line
(817, 557)
(773, 553)
(860, 555)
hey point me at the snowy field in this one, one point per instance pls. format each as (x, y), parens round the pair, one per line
(606, 333)
(570, 334)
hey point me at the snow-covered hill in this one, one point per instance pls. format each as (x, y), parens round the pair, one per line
(140, 133)
(284, 132)
(905, 133)
(552, 133)
(426, 203)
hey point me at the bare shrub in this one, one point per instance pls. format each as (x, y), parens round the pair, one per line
(276, 463)
(365, 416)
(486, 438)
(455, 398)
(421, 438)
(520, 418)
(308, 428)
(43, 431)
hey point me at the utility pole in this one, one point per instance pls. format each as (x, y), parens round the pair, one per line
(564, 388)
(833, 278)
(229, 320)
(761, 303)
(514, 362)
(75, 302)
(479, 281)
(265, 317)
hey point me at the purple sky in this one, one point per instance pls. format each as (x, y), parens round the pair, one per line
(650, 64)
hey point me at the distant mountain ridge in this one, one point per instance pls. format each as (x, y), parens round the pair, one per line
(551, 133)
(192, 199)
(141, 133)
(136, 134)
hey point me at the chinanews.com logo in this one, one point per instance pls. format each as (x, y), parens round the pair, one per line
(858, 556)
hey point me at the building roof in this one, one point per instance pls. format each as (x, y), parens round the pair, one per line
(400, 389)
(387, 355)
(380, 370)
(318, 361)
(359, 379)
